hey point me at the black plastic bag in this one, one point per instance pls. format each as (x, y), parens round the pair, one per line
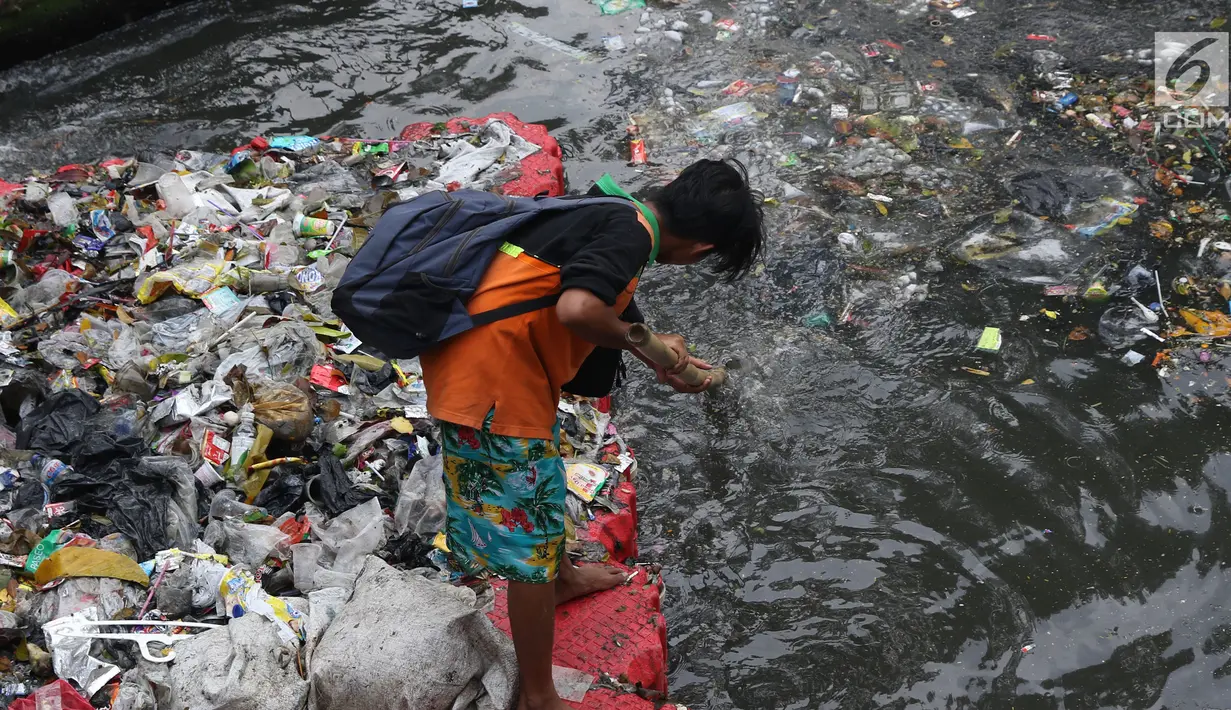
(283, 491)
(29, 495)
(371, 383)
(99, 449)
(137, 509)
(1042, 192)
(56, 426)
(332, 490)
(133, 494)
(409, 551)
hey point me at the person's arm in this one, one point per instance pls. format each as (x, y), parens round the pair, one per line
(593, 279)
(593, 320)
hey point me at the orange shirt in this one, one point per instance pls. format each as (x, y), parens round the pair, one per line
(515, 366)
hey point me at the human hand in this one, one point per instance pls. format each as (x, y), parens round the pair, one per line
(677, 344)
(680, 385)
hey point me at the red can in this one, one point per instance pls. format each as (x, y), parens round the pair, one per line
(637, 148)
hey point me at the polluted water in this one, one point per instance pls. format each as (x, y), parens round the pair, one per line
(973, 451)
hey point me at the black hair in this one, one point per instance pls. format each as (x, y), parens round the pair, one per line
(711, 202)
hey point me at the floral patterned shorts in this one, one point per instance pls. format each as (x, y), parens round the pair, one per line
(505, 502)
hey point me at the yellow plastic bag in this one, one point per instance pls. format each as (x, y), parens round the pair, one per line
(89, 562)
(1212, 323)
(191, 280)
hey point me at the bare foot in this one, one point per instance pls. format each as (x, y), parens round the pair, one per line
(555, 703)
(576, 582)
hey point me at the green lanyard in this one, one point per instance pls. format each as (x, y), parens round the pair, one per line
(609, 187)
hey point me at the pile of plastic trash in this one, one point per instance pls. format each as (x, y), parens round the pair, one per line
(200, 467)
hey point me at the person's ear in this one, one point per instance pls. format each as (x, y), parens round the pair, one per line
(698, 251)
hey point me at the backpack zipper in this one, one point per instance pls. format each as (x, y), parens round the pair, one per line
(457, 254)
(448, 215)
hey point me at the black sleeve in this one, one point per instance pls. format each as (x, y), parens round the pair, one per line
(613, 256)
(632, 314)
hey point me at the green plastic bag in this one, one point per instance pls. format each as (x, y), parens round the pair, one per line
(615, 7)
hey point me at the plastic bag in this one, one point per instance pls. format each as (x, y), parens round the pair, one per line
(352, 536)
(331, 489)
(61, 348)
(152, 501)
(182, 527)
(59, 695)
(329, 176)
(177, 334)
(136, 693)
(1121, 325)
(244, 543)
(189, 279)
(45, 293)
(242, 594)
(226, 504)
(285, 409)
(421, 499)
(280, 352)
(55, 427)
(175, 195)
(112, 341)
(283, 491)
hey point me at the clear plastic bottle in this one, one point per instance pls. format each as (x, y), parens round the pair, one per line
(226, 504)
(50, 469)
(242, 441)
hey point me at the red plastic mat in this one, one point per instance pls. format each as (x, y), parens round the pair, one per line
(617, 531)
(620, 632)
(541, 173)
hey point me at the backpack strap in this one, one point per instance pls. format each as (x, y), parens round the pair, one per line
(515, 309)
(512, 310)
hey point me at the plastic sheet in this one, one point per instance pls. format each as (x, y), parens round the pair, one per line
(421, 499)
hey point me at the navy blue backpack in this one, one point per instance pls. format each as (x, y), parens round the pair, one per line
(407, 287)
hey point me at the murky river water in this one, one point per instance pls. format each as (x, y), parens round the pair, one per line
(856, 522)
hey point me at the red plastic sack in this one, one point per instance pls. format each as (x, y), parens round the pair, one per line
(58, 696)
